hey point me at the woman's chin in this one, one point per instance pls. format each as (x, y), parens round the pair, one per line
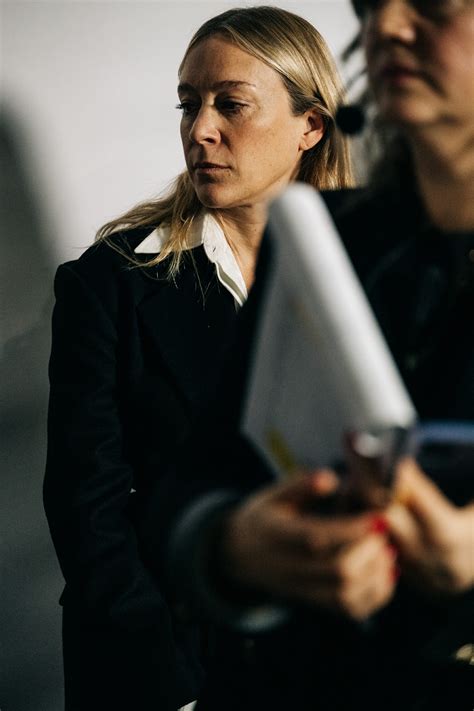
(214, 198)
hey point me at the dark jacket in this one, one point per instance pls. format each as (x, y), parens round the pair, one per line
(421, 285)
(135, 356)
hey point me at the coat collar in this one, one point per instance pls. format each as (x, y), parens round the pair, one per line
(205, 231)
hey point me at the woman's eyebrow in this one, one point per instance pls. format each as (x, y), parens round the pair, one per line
(226, 84)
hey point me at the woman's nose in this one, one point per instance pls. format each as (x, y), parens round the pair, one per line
(395, 20)
(204, 128)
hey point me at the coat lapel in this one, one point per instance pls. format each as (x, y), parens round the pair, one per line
(190, 324)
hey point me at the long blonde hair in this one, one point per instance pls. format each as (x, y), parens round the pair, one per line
(293, 48)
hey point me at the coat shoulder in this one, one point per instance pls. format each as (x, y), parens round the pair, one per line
(112, 255)
(105, 270)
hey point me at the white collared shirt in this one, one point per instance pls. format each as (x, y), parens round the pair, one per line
(206, 231)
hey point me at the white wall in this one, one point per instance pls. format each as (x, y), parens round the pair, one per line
(94, 87)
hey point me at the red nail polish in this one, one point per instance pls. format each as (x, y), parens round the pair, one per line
(379, 525)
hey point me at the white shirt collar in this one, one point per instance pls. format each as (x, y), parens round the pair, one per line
(206, 231)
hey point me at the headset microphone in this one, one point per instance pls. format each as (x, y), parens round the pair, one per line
(350, 119)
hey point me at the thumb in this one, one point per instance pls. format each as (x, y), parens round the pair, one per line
(304, 487)
(421, 496)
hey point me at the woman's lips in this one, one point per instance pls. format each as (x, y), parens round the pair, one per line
(398, 74)
(205, 168)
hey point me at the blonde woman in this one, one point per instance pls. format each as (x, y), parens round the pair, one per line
(140, 328)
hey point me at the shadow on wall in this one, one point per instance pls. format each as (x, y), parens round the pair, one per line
(30, 646)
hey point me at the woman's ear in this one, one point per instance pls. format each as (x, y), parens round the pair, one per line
(314, 129)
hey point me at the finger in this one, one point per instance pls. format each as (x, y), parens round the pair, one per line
(281, 529)
(421, 496)
(305, 486)
(357, 560)
(404, 529)
(359, 603)
(324, 535)
(344, 566)
(440, 557)
(357, 596)
(324, 482)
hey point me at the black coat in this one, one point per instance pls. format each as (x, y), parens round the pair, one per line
(421, 285)
(135, 356)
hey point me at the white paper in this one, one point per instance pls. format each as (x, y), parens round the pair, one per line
(321, 365)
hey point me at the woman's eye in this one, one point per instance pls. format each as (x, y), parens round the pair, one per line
(191, 108)
(363, 7)
(436, 9)
(187, 108)
(231, 107)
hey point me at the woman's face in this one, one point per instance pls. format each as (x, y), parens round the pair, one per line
(241, 142)
(420, 58)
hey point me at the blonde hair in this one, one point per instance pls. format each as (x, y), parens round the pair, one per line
(296, 50)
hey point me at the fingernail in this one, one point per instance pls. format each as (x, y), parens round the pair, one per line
(379, 525)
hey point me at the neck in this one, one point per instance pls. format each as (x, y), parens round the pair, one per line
(444, 168)
(243, 228)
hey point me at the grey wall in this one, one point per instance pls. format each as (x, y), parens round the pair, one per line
(87, 128)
